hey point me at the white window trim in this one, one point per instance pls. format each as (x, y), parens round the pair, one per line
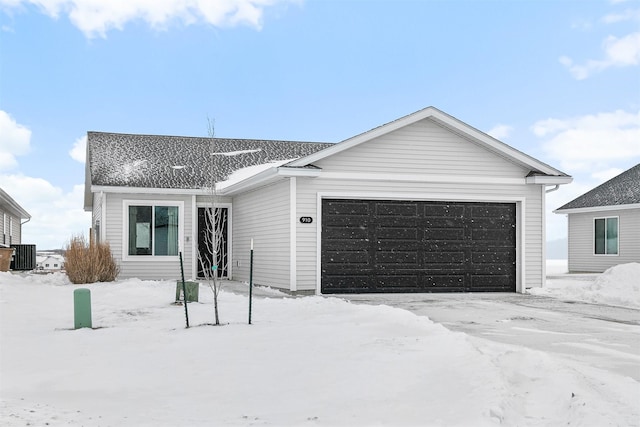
(125, 230)
(593, 236)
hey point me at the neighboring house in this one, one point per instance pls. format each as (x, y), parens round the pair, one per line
(425, 203)
(49, 262)
(11, 216)
(604, 224)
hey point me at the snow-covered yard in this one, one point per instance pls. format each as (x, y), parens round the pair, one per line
(312, 361)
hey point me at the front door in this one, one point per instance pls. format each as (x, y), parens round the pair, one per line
(213, 242)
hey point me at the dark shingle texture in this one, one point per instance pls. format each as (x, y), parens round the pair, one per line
(623, 189)
(155, 161)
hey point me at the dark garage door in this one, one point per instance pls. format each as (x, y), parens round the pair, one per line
(417, 246)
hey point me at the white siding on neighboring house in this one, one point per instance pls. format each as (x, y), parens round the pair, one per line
(11, 230)
(581, 240)
(263, 215)
(159, 267)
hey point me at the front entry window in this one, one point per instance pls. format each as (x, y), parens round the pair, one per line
(153, 230)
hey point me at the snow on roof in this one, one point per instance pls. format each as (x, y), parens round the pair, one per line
(157, 161)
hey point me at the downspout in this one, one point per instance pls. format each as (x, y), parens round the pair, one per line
(544, 234)
(552, 189)
(23, 223)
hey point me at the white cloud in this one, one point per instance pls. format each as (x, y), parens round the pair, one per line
(586, 143)
(15, 140)
(97, 17)
(79, 150)
(500, 131)
(618, 52)
(627, 15)
(55, 215)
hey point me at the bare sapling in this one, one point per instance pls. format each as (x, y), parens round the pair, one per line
(212, 252)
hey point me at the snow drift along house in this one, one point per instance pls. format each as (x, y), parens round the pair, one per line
(604, 224)
(425, 203)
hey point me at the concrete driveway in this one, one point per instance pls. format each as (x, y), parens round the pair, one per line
(602, 336)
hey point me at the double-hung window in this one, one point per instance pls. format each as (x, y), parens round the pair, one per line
(152, 229)
(605, 236)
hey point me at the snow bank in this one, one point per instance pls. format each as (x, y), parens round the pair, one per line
(619, 285)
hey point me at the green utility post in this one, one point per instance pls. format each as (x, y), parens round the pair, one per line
(82, 308)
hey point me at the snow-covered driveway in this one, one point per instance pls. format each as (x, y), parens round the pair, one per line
(602, 336)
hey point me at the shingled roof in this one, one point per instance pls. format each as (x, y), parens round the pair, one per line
(623, 189)
(177, 162)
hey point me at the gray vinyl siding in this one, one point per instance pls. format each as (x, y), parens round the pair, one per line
(422, 149)
(263, 215)
(159, 268)
(581, 240)
(96, 214)
(11, 231)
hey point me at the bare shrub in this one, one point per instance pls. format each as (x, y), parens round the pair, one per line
(89, 262)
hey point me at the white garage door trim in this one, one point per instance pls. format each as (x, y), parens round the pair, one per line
(520, 220)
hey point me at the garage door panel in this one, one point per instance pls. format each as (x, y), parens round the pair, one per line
(442, 210)
(396, 233)
(490, 283)
(403, 259)
(443, 283)
(395, 210)
(496, 256)
(337, 232)
(492, 235)
(348, 283)
(409, 246)
(444, 234)
(444, 258)
(396, 283)
(351, 208)
(348, 257)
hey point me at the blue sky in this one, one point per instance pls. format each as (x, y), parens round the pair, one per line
(558, 80)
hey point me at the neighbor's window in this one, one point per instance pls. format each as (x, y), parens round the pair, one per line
(606, 236)
(153, 230)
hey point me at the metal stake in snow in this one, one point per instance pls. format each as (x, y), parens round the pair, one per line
(250, 279)
(184, 291)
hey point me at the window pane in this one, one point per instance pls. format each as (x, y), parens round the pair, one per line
(600, 236)
(139, 230)
(166, 230)
(612, 236)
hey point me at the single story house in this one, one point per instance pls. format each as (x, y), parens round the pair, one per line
(49, 262)
(12, 215)
(604, 224)
(425, 203)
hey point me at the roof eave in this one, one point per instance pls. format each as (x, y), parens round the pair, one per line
(268, 176)
(549, 179)
(442, 119)
(13, 205)
(598, 208)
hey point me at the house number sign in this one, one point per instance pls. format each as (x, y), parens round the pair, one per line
(306, 219)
